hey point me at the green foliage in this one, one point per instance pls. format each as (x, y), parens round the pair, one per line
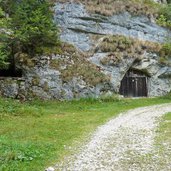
(4, 54)
(164, 18)
(1, 13)
(26, 27)
(166, 50)
(4, 35)
(33, 26)
(8, 6)
(165, 54)
(110, 98)
(14, 108)
(168, 96)
(163, 139)
(16, 152)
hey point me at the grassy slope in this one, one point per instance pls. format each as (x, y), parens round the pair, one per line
(34, 135)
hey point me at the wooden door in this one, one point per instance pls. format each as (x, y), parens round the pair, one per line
(134, 86)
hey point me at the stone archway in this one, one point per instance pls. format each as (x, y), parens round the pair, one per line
(134, 84)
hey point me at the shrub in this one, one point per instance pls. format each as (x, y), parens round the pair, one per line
(166, 50)
(33, 26)
(164, 18)
(165, 54)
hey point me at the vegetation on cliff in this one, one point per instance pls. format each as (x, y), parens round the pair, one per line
(73, 63)
(164, 18)
(120, 47)
(27, 26)
(31, 28)
(160, 12)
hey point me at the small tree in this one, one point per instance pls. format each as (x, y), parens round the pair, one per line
(33, 26)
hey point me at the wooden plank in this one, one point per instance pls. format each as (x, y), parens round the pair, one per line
(134, 85)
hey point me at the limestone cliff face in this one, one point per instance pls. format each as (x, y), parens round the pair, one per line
(78, 25)
(78, 28)
(102, 50)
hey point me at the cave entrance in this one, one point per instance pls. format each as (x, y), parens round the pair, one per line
(134, 84)
(11, 71)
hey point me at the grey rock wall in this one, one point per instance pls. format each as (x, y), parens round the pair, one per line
(159, 76)
(12, 87)
(46, 83)
(77, 26)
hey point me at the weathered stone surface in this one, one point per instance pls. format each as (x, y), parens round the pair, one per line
(76, 25)
(10, 87)
(44, 82)
(159, 82)
(116, 73)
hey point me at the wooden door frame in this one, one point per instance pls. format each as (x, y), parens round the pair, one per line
(129, 89)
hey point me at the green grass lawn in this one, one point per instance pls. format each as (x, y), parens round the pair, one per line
(34, 135)
(163, 142)
(165, 128)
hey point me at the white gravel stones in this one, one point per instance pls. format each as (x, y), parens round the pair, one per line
(121, 144)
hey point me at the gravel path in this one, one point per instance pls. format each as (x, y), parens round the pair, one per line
(125, 143)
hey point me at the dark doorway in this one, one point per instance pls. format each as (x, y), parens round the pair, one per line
(134, 84)
(11, 71)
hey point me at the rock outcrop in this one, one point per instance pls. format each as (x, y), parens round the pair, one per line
(78, 25)
(94, 72)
